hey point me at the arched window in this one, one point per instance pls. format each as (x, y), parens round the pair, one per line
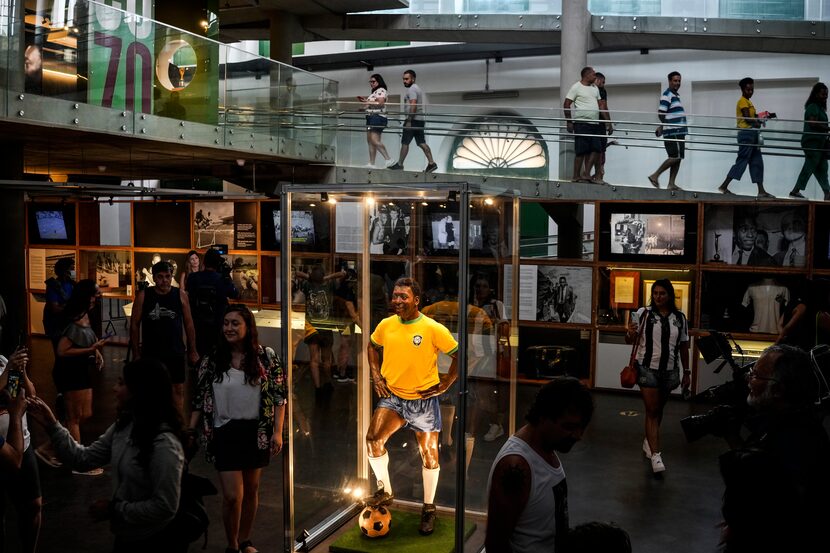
(500, 144)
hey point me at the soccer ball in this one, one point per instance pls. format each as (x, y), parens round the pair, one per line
(375, 522)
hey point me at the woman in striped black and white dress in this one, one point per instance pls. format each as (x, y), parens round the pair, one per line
(662, 349)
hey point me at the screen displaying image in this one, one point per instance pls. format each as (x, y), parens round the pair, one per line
(50, 225)
(446, 232)
(648, 233)
(302, 227)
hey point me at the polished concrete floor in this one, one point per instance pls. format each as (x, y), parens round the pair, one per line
(608, 478)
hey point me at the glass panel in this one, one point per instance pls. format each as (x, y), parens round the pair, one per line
(410, 233)
(557, 230)
(324, 340)
(623, 290)
(763, 9)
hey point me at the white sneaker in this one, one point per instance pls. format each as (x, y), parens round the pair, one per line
(657, 465)
(495, 431)
(646, 449)
(93, 472)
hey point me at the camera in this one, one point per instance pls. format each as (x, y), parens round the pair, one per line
(729, 398)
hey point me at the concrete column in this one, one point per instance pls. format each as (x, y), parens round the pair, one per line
(576, 41)
(13, 231)
(284, 27)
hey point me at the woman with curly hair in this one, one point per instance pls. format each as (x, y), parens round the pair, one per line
(240, 400)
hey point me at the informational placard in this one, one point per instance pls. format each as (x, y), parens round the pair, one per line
(527, 292)
(349, 233)
(42, 265)
(244, 226)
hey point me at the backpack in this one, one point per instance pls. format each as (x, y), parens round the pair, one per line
(191, 521)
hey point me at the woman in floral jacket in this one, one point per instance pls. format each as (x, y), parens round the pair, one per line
(240, 399)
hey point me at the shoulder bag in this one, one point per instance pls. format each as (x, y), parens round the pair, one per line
(628, 376)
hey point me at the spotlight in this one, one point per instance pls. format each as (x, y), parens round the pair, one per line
(452, 196)
(370, 200)
(240, 162)
(110, 202)
(488, 201)
(324, 197)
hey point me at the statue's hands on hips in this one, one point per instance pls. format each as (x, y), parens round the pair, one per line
(442, 386)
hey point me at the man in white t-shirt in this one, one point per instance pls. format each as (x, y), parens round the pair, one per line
(584, 121)
(527, 508)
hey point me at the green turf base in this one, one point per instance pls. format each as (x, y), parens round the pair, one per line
(403, 537)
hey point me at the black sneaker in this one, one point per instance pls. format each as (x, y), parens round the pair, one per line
(431, 167)
(340, 378)
(379, 498)
(427, 519)
(395, 166)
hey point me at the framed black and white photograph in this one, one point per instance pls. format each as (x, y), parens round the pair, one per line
(144, 262)
(773, 236)
(213, 223)
(564, 294)
(110, 269)
(245, 276)
(389, 228)
(648, 232)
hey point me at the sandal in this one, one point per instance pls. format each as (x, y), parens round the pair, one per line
(245, 545)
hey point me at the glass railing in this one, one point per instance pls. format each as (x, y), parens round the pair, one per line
(97, 68)
(525, 142)
(793, 10)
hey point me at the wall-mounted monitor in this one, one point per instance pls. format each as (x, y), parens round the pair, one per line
(660, 233)
(309, 227)
(51, 224)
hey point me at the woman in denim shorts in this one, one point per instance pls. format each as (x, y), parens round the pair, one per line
(375, 107)
(662, 348)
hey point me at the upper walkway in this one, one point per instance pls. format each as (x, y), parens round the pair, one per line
(106, 81)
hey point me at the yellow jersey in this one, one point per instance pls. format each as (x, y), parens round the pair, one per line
(410, 353)
(744, 103)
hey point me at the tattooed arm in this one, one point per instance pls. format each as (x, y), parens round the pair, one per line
(509, 493)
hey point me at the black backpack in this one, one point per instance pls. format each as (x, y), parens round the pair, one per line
(191, 521)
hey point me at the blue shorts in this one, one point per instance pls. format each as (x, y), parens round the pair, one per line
(421, 415)
(375, 122)
(666, 380)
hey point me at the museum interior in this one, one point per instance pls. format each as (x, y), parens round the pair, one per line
(136, 132)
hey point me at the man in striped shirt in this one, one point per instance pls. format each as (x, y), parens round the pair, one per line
(673, 130)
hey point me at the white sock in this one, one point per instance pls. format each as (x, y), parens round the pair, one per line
(380, 466)
(430, 483)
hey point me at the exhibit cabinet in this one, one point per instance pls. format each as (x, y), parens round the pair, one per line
(547, 288)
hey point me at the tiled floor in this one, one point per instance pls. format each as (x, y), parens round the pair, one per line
(608, 478)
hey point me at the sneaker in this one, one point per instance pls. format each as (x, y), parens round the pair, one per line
(796, 194)
(395, 166)
(379, 498)
(494, 432)
(657, 465)
(340, 378)
(47, 458)
(646, 449)
(431, 167)
(93, 472)
(765, 196)
(427, 519)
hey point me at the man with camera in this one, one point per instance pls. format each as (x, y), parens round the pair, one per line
(777, 495)
(208, 291)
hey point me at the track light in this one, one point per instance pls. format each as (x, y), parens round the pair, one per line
(452, 196)
(324, 197)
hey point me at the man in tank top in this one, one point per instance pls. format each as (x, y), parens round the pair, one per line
(527, 506)
(161, 314)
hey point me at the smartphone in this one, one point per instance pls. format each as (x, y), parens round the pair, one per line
(14, 383)
(635, 317)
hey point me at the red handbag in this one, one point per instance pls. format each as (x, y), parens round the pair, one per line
(628, 376)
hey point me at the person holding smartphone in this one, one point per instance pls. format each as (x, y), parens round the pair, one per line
(19, 473)
(375, 107)
(79, 354)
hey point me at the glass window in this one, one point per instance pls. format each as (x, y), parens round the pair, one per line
(624, 7)
(762, 9)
